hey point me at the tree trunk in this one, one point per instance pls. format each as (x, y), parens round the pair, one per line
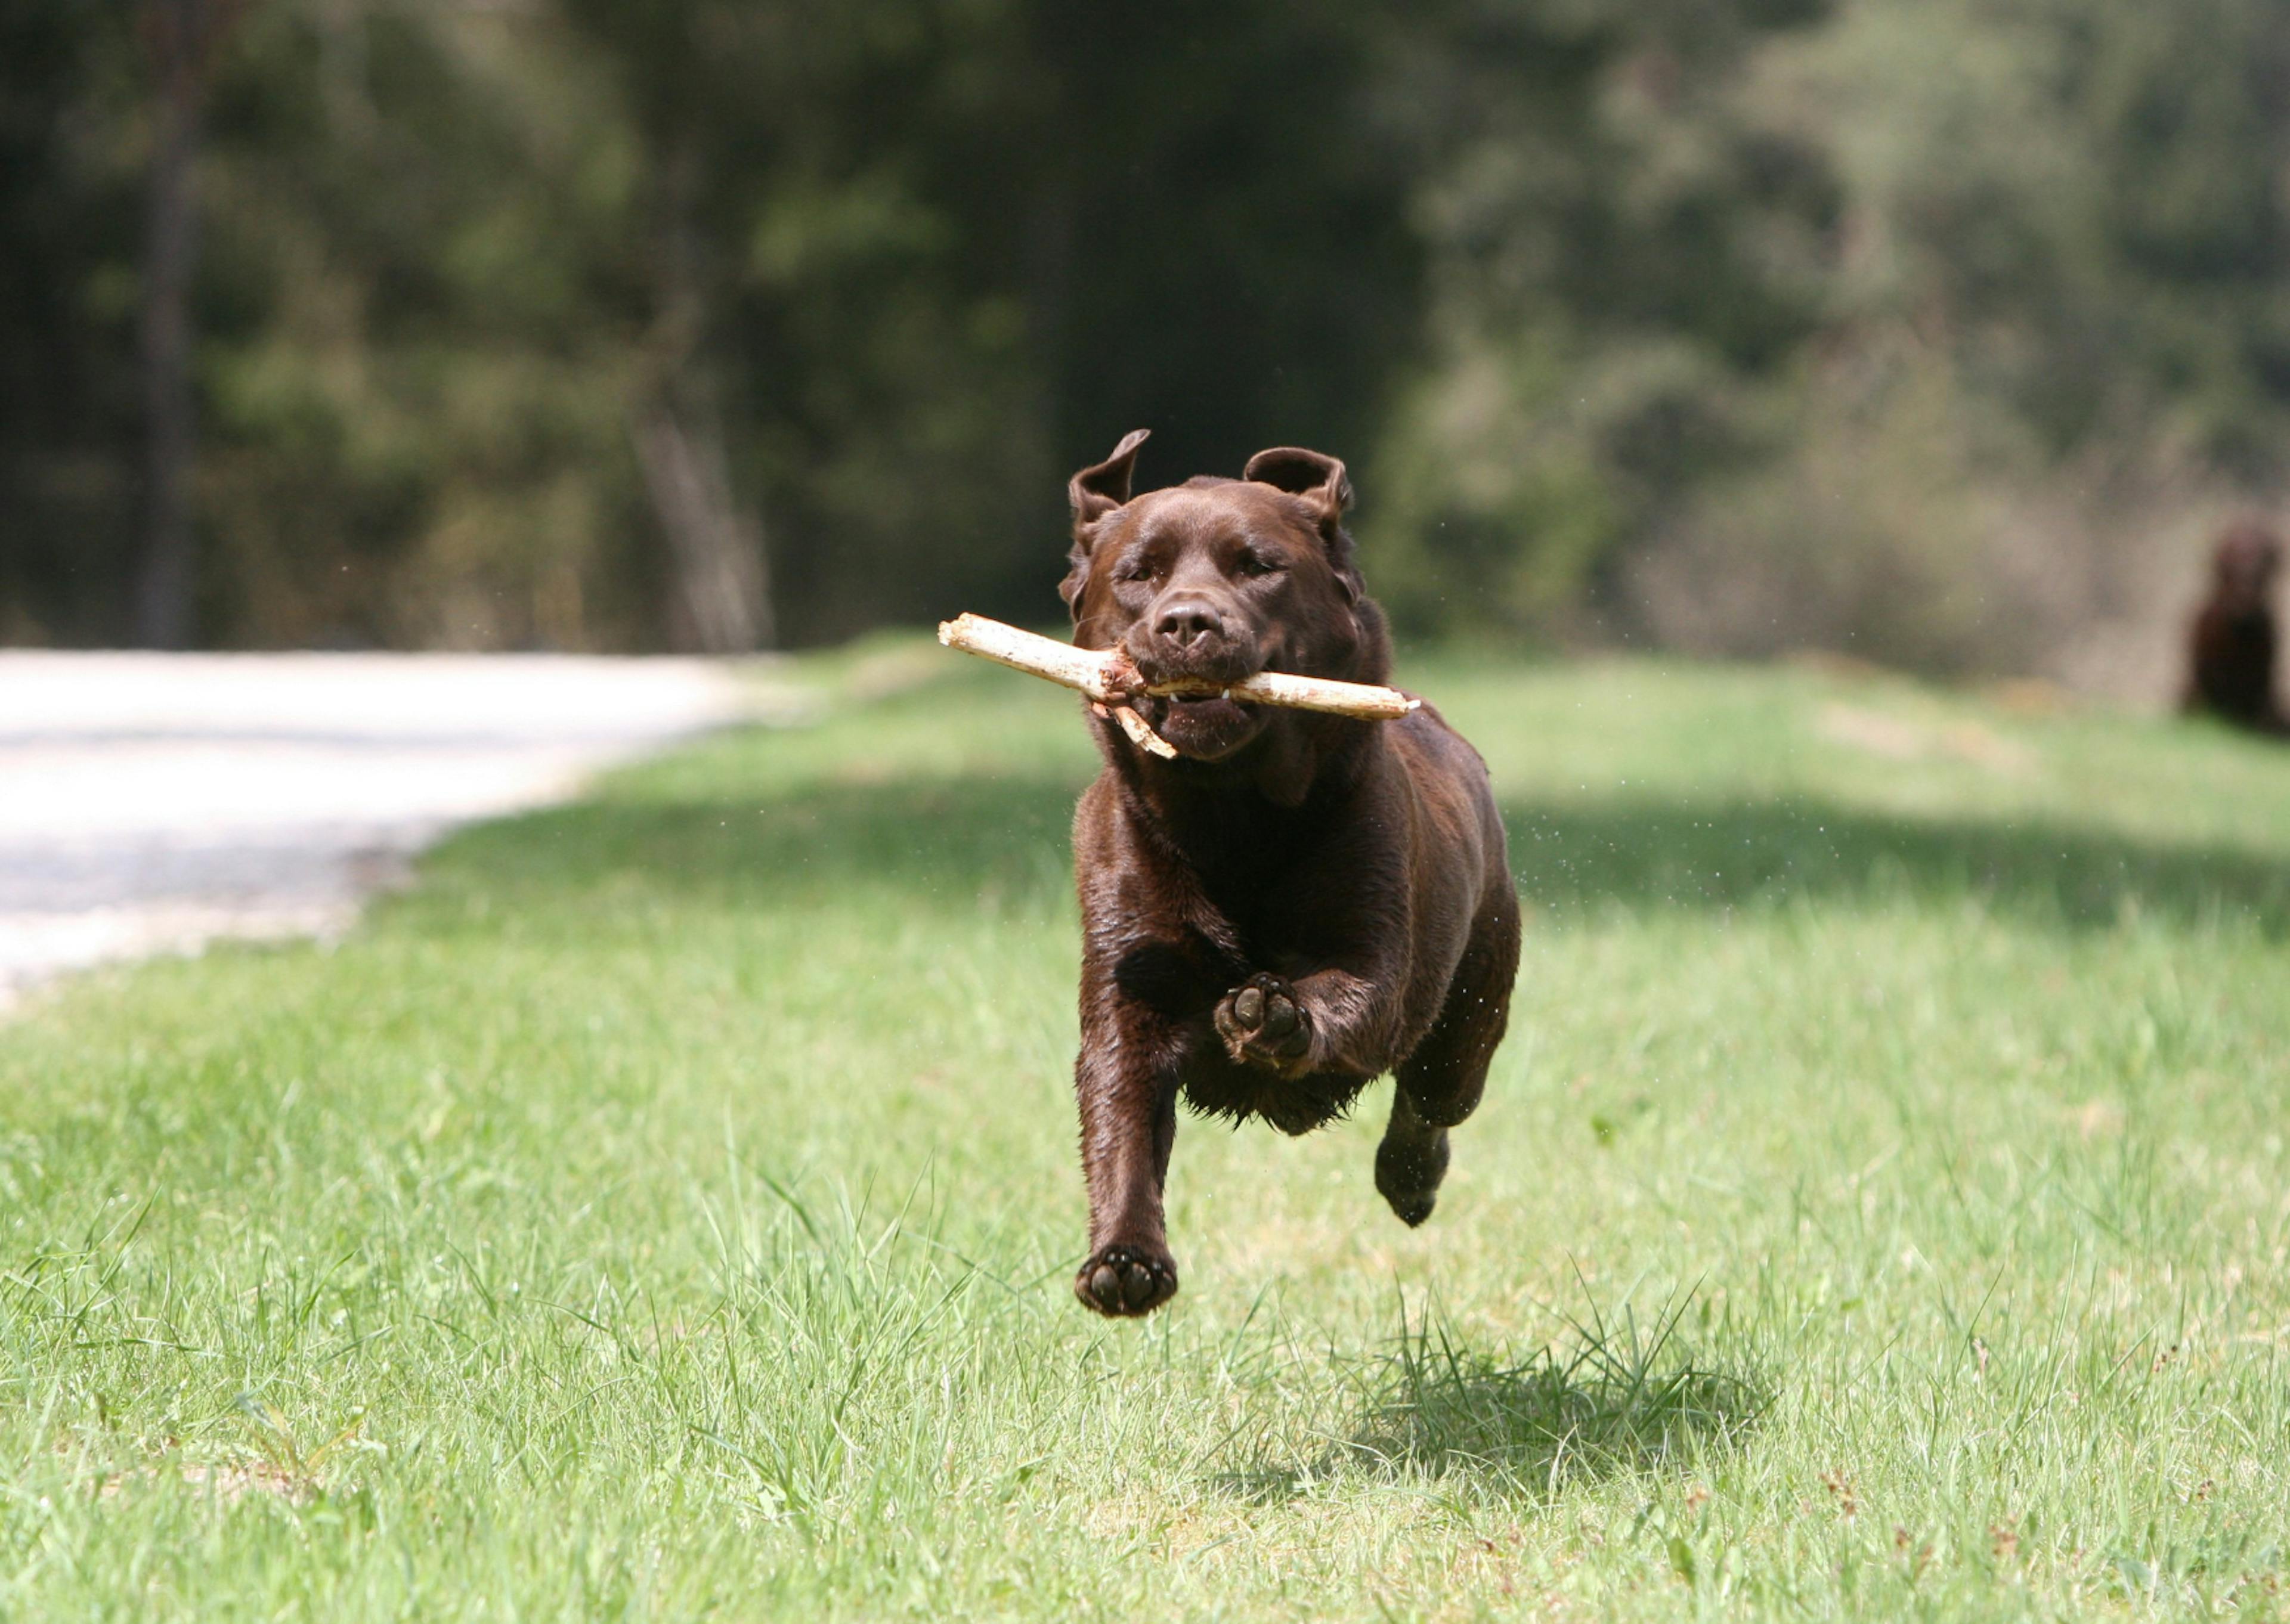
(180, 33)
(717, 546)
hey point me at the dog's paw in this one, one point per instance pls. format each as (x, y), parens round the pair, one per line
(1122, 1282)
(1408, 1174)
(1263, 1024)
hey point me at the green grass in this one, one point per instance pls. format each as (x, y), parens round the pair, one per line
(665, 1210)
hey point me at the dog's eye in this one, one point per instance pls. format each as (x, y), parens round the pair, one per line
(1260, 563)
(1138, 569)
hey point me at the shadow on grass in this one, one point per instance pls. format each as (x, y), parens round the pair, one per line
(932, 839)
(1625, 1400)
(1730, 854)
(951, 839)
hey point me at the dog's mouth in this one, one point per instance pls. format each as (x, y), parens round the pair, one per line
(1204, 727)
(1202, 721)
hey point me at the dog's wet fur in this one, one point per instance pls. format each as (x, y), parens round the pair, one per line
(1298, 902)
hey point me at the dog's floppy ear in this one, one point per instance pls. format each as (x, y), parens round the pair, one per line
(1326, 488)
(1320, 480)
(1095, 491)
(1098, 489)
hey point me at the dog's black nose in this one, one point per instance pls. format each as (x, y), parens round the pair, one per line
(1188, 619)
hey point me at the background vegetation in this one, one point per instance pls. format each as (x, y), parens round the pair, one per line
(666, 1209)
(1931, 329)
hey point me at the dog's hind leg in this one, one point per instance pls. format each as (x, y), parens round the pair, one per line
(1439, 1084)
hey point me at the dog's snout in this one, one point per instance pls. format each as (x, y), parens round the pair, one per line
(1185, 620)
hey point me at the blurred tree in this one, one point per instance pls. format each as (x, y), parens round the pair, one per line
(69, 416)
(2055, 324)
(420, 334)
(183, 37)
(693, 88)
(1625, 267)
(936, 254)
(710, 323)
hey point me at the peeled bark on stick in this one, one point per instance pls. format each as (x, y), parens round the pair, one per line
(1140, 732)
(1107, 676)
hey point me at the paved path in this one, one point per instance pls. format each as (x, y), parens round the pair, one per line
(150, 802)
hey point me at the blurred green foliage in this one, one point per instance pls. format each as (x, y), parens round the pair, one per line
(1892, 324)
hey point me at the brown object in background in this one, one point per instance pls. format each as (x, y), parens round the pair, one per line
(1290, 904)
(2230, 647)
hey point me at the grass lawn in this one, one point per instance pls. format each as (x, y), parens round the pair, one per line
(665, 1208)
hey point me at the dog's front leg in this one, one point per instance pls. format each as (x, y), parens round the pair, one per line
(1125, 1082)
(1331, 1020)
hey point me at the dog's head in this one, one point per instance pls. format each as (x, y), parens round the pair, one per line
(2244, 567)
(1216, 580)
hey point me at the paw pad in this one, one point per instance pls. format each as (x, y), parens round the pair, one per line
(1122, 1282)
(1262, 1022)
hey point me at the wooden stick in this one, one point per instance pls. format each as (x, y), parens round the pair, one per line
(1140, 732)
(1106, 675)
(1063, 664)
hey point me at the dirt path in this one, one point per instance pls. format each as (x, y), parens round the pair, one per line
(151, 802)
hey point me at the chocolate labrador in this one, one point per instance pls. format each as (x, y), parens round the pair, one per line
(1297, 902)
(2230, 647)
